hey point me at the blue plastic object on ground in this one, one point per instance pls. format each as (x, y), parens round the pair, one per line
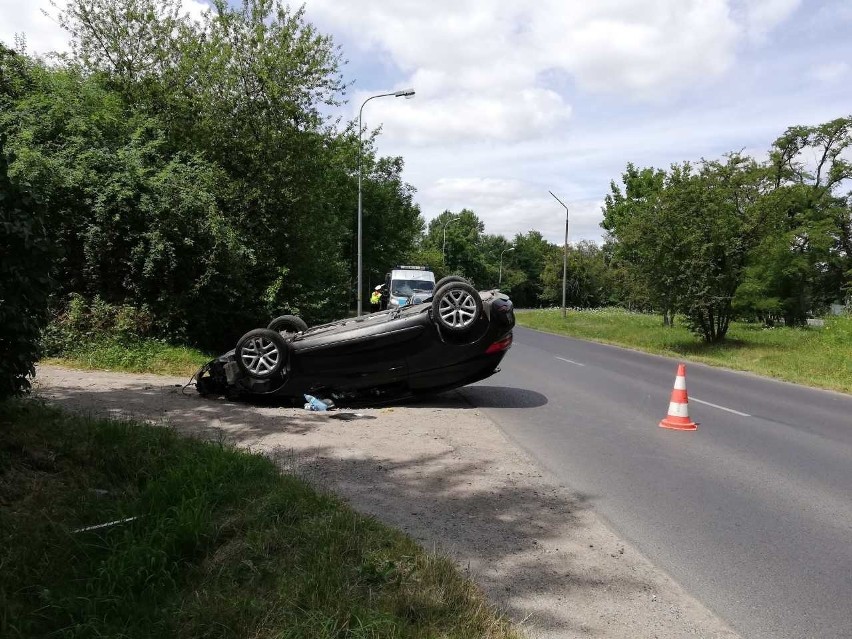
(314, 404)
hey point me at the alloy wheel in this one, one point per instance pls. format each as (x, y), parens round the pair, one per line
(260, 356)
(457, 308)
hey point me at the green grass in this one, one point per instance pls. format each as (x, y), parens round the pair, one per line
(820, 357)
(134, 356)
(223, 545)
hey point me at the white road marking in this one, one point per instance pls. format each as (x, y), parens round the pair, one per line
(730, 410)
(570, 361)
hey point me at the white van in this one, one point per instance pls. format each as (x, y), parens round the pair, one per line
(409, 285)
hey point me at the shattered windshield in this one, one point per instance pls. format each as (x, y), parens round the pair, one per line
(407, 288)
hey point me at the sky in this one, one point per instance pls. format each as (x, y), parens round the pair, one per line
(516, 99)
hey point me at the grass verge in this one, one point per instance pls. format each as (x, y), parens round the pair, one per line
(820, 357)
(132, 356)
(223, 545)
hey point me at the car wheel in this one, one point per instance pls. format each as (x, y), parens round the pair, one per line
(261, 353)
(456, 306)
(448, 279)
(288, 324)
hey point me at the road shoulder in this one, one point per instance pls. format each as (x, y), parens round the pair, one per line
(445, 474)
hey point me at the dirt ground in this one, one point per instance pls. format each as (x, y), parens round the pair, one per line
(444, 473)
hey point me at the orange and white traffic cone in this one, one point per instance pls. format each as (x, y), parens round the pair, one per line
(678, 417)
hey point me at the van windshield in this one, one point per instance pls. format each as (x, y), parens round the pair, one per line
(407, 288)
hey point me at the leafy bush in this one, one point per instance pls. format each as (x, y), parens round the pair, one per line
(25, 259)
(82, 322)
(98, 335)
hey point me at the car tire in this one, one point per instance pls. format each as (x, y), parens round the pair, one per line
(456, 307)
(448, 279)
(288, 324)
(261, 353)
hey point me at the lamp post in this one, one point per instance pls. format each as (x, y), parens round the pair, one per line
(444, 245)
(500, 277)
(564, 253)
(405, 93)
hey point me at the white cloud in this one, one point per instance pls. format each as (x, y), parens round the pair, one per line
(502, 112)
(509, 207)
(43, 33)
(509, 114)
(478, 65)
(507, 184)
(635, 47)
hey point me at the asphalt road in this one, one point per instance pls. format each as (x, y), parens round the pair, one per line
(751, 513)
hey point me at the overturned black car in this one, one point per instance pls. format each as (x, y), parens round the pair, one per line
(456, 337)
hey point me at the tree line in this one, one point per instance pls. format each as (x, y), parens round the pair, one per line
(193, 169)
(188, 176)
(714, 240)
(187, 180)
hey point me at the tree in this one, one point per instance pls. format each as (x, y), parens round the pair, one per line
(805, 261)
(528, 260)
(719, 218)
(587, 282)
(136, 223)
(689, 233)
(464, 253)
(844, 253)
(26, 255)
(193, 169)
(760, 239)
(626, 286)
(392, 222)
(642, 242)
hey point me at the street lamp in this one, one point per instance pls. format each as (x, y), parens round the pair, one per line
(500, 278)
(405, 93)
(444, 245)
(564, 253)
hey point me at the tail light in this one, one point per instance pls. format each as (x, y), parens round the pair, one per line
(500, 345)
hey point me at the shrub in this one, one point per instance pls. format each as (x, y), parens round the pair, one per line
(25, 259)
(82, 322)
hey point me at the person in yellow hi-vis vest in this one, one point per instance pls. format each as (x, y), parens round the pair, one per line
(376, 299)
